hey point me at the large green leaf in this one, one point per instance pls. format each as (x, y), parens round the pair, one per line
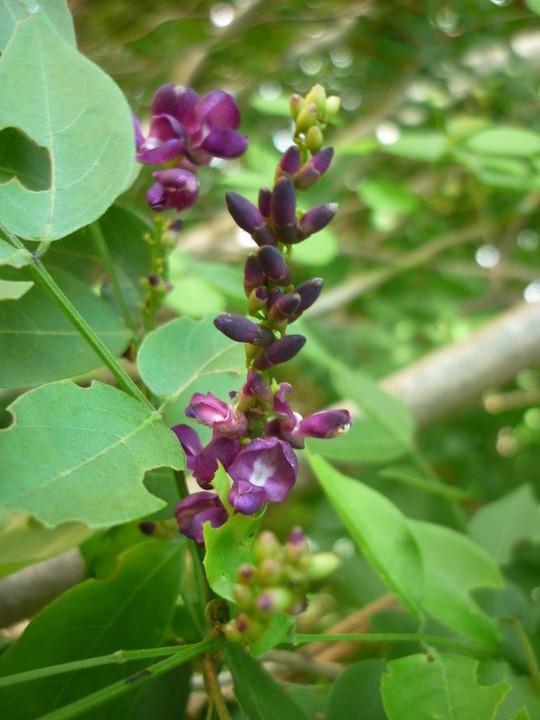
(356, 694)
(505, 140)
(13, 11)
(438, 685)
(83, 121)
(15, 257)
(259, 695)
(131, 609)
(39, 344)
(453, 566)
(380, 531)
(175, 355)
(77, 453)
(501, 524)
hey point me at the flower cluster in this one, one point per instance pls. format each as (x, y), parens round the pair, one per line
(254, 437)
(277, 581)
(186, 131)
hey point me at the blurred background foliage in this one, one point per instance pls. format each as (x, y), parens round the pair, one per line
(437, 174)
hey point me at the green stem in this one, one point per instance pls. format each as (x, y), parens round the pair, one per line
(213, 689)
(528, 653)
(132, 682)
(101, 244)
(377, 638)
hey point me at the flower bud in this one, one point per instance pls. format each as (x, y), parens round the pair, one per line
(325, 424)
(311, 171)
(176, 189)
(297, 104)
(241, 329)
(266, 546)
(265, 202)
(284, 209)
(246, 574)
(274, 265)
(277, 599)
(306, 118)
(290, 161)
(322, 565)
(309, 291)
(254, 275)
(317, 95)
(314, 139)
(333, 103)
(257, 300)
(247, 216)
(243, 597)
(285, 307)
(259, 388)
(279, 351)
(270, 571)
(315, 219)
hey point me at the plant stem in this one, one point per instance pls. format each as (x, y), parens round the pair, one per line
(213, 688)
(101, 244)
(528, 653)
(132, 682)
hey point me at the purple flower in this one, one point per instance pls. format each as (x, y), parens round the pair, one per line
(190, 442)
(205, 464)
(263, 471)
(213, 412)
(189, 130)
(196, 509)
(325, 424)
(176, 189)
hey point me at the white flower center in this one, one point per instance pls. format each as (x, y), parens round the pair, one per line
(261, 472)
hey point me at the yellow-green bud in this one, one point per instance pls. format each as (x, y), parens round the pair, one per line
(297, 104)
(266, 545)
(317, 96)
(306, 118)
(314, 139)
(247, 574)
(270, 571)
(277, 599)
(333, 103)
(322, 565)
(243, 597)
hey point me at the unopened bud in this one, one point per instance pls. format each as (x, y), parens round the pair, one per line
(285, 307)
(270, 571)
(257, 300)
(315, 219)
(246, 574)
(240, 329)
(266, 545)
(309, 291)
(274, 265)
(311, 171)
(247, 216)
(265, 202)
(276, 599)
(297, 104)
(317, 95)
(254, 275)
(314, 139)
(284, 209)
(243, 597)
(279, 351)
(306, 118)
(290, 161)
(333, 103)
(322, 565)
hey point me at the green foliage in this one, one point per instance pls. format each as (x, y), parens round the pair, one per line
(91, 150)
(419, 687)
(12, 256)
(356, 694)
(98, 443)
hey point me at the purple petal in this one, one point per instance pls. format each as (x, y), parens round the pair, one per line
(178, 101)
(240, 329)
(325, 424)
(176, 189)
(224, 143)
(139, 137)
(190, 442)
(196, 509)
(218, 109)
(247, 498)
(161, 154)
(222, 449)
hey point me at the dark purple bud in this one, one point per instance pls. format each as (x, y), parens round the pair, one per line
(254, 275)
(311, 171)
(284, 209)
(296, 536)
(190, 442)
(290, 161)
(241, 329)
(274, 265)
(309, 291)
(274, 296)
(265, 202)
(325, 424)
(259, 388)
(279, 351)
(257, 300)
(315, 219)
(196, 509)
(285, 307)
(176, 189)
(246, 215)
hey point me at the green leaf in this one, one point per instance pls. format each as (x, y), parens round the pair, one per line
(453, 566)
(39, 344)
(259, 695)
(380, 531)
(13, 256)
(522, 702)
(77, 453)
(13, 290)
(534, 5)
(366, 441)
(318, 250)
(23, 540)
(14, 11)
(84, 123)
(228, 547)
(438, 685)
(356, 694)
(501, 524)
(175, 355)
(131, 609)
(392, 197)
(505, 141)
(426, 146)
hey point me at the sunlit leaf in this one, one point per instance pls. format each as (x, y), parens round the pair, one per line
(15, 257)
(77, 453)
(505, 140)
(84, 123)
(438, 685)
(380, 531)
(14, 11)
